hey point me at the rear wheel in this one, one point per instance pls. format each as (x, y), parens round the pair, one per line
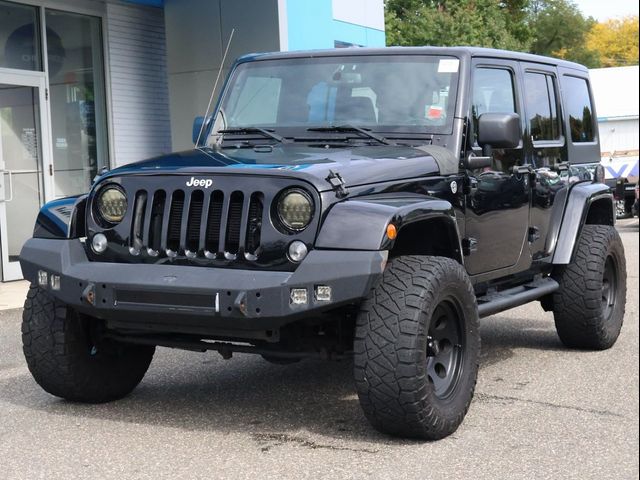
(589, 306)
(417, 348)
(68, 361)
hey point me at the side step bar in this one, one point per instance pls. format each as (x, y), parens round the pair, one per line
(495, 302)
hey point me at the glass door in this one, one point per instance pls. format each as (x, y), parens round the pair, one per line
(24, 151)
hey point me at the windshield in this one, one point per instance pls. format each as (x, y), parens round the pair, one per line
(383, 93)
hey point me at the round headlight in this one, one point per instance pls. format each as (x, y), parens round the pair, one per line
(295, 209)
(112, 204)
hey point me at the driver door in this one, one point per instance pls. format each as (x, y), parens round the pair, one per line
(497, 207)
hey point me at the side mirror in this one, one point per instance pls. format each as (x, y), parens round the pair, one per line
(499, 130)
(197, 126)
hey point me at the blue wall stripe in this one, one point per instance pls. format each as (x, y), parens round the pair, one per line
(151, 3)
(311, 26)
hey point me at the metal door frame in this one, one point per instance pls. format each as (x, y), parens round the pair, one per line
(11, 270)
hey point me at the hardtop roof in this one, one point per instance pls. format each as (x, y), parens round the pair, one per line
(462, 51)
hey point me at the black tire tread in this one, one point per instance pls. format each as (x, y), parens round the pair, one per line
(57, 354)
(391, 383)
(577, 304)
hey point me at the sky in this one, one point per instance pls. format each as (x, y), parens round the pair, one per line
(605, 9)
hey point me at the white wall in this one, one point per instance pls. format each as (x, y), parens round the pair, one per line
(618, 136)
(138, 77)
(368, 13)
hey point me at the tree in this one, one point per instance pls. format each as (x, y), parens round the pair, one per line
(615, 41)
(455, 22)
(559, 29)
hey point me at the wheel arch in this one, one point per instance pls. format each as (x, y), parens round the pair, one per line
(586, 204)
(61, 218)
(361, 224)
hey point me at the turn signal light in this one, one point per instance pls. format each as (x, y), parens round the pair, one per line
(392, 232)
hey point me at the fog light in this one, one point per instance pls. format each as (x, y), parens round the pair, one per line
(299, 296)
(323, 293)
(55, 282)
(99, 243)
(43, 278)
(297, 251)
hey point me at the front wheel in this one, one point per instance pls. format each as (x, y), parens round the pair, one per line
(67, 361)
(417, 348)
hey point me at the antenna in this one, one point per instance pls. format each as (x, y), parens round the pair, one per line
(215, 84)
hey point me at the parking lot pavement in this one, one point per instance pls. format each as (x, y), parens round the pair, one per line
(540, 411)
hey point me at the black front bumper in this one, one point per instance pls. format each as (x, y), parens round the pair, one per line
(200, 300)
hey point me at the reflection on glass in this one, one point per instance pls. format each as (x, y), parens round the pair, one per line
(20, 152)
(19, 38)
(78, 118)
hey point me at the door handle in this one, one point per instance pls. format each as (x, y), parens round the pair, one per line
(526, 168)
(10, 173)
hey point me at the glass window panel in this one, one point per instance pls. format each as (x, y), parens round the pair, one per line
(19, 37)
(493, 92)
(540, 103)
(579, 109)
(20, 158)
(406, 93)
(78, 112)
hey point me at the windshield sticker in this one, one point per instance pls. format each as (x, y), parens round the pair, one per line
(433, 112)
(448, 65)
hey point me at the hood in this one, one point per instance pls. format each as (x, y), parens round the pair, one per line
(357, 165)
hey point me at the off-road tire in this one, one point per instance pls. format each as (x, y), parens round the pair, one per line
(581, 318)
(390, 348)
(67, 363)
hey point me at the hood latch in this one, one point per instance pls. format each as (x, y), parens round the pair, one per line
(337, 184)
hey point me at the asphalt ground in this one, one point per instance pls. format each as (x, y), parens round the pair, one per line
(540, 411)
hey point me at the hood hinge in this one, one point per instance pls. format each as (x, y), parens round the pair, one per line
(337, 184)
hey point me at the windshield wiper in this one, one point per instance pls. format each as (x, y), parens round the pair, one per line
(263, 131)
(352, 128)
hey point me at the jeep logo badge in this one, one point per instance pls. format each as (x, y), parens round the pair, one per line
(199, 182)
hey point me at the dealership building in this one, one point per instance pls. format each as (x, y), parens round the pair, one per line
(87, 84)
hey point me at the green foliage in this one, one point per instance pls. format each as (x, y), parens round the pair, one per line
(445, 23)
(555, 28)
(559, 30)
(615, 41)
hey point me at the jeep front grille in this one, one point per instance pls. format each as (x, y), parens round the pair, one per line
(197, 224)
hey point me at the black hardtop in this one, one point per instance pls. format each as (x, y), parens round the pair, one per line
(461, 52)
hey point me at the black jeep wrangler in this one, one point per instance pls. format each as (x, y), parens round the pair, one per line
(372, 204)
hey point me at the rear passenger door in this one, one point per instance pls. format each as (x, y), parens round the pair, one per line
(545, 147)
(497, 206)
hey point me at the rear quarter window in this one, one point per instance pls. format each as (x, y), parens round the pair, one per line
(579, 109)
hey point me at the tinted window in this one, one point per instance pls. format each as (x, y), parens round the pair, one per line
(19, 39)
(493, 92)
(579, 109)
(541, 106)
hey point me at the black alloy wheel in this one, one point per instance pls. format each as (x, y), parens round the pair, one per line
(445, 348)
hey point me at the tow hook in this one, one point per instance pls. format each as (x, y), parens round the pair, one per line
(89, 294)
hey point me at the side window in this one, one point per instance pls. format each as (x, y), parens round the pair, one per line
(492, 92)
(541, 106)
(579, 109)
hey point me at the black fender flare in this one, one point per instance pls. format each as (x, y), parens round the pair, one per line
(565, 229)
(361, 223)
(61, 218)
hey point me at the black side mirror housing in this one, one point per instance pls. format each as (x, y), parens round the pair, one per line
(499, 130)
